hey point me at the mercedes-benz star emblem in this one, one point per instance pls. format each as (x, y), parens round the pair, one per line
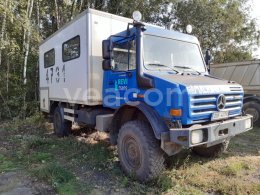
(221, 102)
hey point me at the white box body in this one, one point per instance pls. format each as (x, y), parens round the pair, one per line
(79, 80)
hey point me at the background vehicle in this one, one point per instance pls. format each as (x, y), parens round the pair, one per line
(148, 86)
(248, 75)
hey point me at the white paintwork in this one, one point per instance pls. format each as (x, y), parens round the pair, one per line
(69, 118)
(67, 110)
(44, 99)
(84, 75)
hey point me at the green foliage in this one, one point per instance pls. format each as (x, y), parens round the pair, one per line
(41, 157)
(58, 177)
(234, 168)
(5, 164)
(224, 26)
(54, 174)
(232, 54)
(164, 182)
(32, 142)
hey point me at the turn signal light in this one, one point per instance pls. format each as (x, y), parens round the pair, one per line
(175, 112)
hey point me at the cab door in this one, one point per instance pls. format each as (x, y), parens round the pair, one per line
(120, 83)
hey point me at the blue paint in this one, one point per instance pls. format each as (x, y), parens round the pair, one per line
(117, 83)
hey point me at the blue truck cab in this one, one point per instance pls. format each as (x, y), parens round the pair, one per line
(165, 99)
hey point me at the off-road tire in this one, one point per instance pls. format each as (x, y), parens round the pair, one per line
(253, 108)
(211, 152)
(147, 159)
(62, 127)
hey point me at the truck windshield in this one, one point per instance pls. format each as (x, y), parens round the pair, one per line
(169, 54)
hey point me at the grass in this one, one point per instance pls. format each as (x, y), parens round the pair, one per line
(246, 143)
(230, 175)
(6, 164)
(86, 163)
(234, 169)
(54, 174)
(60, 178)
(41, 157)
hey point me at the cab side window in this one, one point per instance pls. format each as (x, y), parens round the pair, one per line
(124, 56)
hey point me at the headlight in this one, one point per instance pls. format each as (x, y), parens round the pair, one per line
(196, 136)
(137, 16)
(189, 29)
(248, 123)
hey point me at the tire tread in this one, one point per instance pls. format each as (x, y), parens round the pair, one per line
(155, 153)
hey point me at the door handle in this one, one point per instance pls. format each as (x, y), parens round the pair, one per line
(129, 74)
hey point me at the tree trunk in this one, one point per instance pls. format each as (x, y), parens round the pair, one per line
(27, 47)
(3, 30)
(38, 17)
(80, 6)
(7, 77)
(24, 37)
(37, 66)
(5, 103)
(24, 34)
(27, 43)
(72, 9)
(57, 14)
(36, 94)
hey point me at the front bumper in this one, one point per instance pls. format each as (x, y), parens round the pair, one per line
(212, 133)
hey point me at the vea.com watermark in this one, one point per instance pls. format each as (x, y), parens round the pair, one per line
(153, 97)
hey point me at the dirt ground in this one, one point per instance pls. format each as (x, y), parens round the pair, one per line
(18, 183)
(34, 161)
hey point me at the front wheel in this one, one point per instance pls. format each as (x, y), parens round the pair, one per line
(210, 152)
(139, 151)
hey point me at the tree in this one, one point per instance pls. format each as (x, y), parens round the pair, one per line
(224, 26)
(3, 28)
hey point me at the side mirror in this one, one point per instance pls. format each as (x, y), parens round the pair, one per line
(106, 49)
(108, 64)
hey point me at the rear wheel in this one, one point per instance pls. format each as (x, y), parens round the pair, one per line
(139, 151)
(253, 108)
(62, 127)
(210, 152)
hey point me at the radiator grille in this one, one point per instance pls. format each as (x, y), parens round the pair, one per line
(202, 106)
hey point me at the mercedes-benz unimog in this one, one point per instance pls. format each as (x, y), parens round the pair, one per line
(145, 85)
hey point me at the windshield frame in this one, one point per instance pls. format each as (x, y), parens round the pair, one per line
(169, 69)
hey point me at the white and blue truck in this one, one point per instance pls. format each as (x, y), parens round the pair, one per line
(147, 86)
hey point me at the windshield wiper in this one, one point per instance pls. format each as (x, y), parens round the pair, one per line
(157, 64)
(186, 67)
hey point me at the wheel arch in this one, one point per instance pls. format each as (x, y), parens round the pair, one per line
(133, 111)
(250, 98)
